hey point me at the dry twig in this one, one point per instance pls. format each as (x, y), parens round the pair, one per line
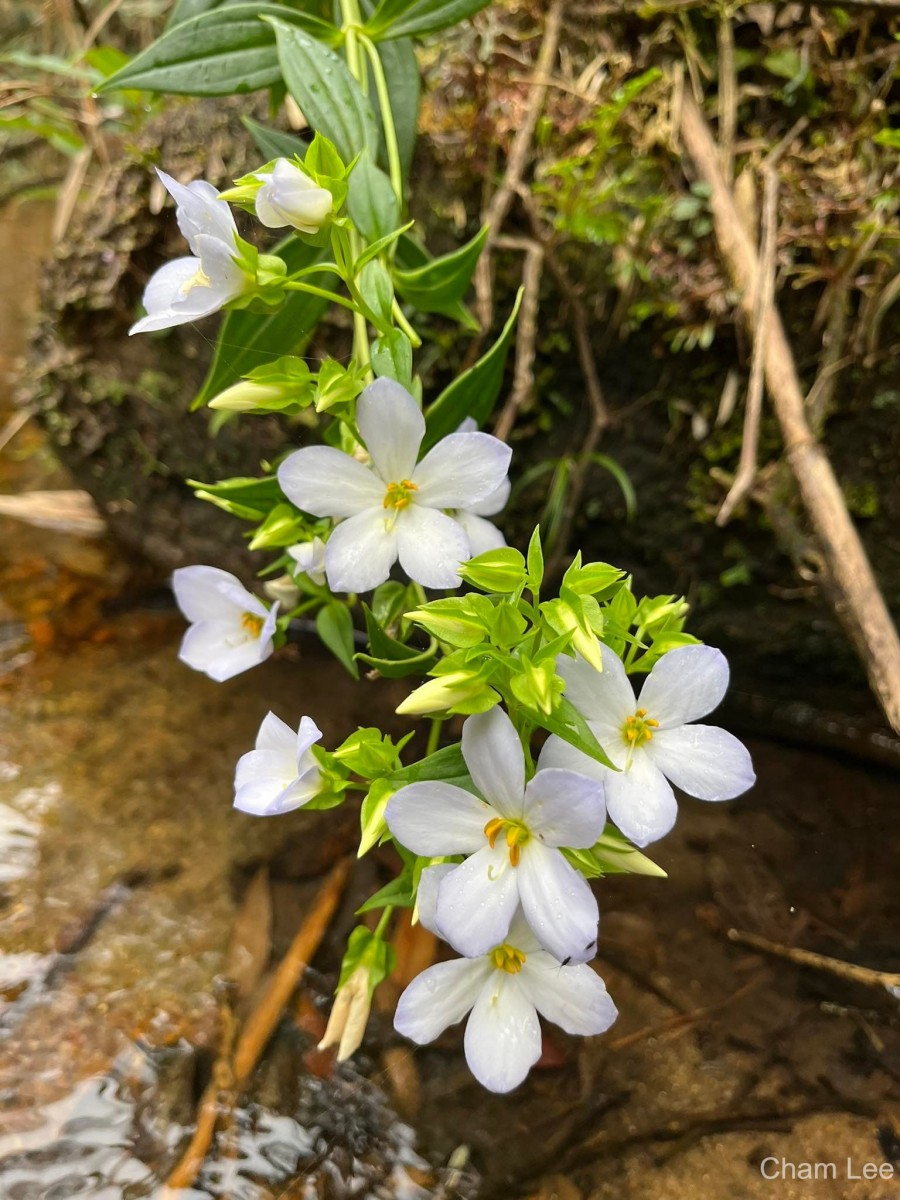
(858, 601)
(526, 331)
(820, 962)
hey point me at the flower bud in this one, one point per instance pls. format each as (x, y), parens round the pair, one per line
(446, 691)
(501, 570)
(349, 1015)
(289, 197)
(250, 396)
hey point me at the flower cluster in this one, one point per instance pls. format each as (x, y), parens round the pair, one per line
(496, 852)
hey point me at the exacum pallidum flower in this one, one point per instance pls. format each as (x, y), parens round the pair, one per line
(281, 773)
(650, 740)
(484, 535)
(194, 287)
(349, 1015)
(289, 197)
(231, 629)
(393, 508)
(505, 990)
(513, 836)
(310, 559)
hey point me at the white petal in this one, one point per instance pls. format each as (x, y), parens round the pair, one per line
(573, 997)
(492, 504)
(565, 808)
(604, 697)
(164, 286)
(503, 1034)
(199, 209)
(556, 752)
(437, 818)
(307, 735)
(496, 761)
(431, 546)
(477, 901)
(426, 897)
(640, 800)
(482, 535)
(207, 593)
(685, 685)
(310, 559)
(266, 783)
(275, 734)
(440, 996)
(558, 903)
(461, 469)
(360, 552)
(392, 427)
(703, 761)
(328, 483)
(227, 278)
(212, 647)
(288, 197)
(275, 767)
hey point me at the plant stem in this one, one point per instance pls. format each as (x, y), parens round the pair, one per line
(326, 295)
(382, 924)
(387, 117)
(351, 20)
(434, 735)
(402, 323)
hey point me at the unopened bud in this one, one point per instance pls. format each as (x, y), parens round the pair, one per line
(289, 197)
(349, 1015)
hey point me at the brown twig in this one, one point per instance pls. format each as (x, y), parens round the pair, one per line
(682, 1022)
(727, 100)
(859, 602)
(496, 210)
(259, 1026)
(526, 331)
(820, 962)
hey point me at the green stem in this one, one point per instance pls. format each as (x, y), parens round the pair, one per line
(383, 922)
(351, 21)
(387, 117)
(434, 735)
(326, 295)
(402, 323)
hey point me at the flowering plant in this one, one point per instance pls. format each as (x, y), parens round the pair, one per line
(494, 848)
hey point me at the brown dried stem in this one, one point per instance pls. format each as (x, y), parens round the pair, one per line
(819, 962)
(858, 600)
(526, 332)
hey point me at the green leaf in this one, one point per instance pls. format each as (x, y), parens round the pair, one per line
(272, 142)
(377, 290)
(184, 10)
(398, 894)
(414, 18)
(410, 254)
(329, 97)
(248, 339)
(441, 283)
(371, 201)
(392, 357)
(383, 645)
(223, 51)
(334, 626)
(474, 393)
(447, 765)
(568, 723)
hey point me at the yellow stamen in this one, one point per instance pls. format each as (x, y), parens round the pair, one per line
(399, 495)
(492, 828)
(639, 728)
(252, 623)
(198, 279)
(516, 836)
(508, 958)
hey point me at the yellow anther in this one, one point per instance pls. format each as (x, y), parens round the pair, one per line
(508, 958)
(399, 495)
(492, 828)
(638, 728)
(252, 623)
(516, 836)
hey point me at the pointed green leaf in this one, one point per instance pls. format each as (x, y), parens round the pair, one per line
(441, 283)
(273, 143)
(334, 626)
(414, 18)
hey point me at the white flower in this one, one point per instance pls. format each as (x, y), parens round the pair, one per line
(349, 1015)
(650, 739)
(231, 630)
(289, 197)
(484, 535)
(513, 839)
(194, 287)
(505, 990)
(281, 774)
(393, 508)
(310, 558)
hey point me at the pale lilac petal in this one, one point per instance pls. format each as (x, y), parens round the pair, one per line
(503, 1034)
(308, 733)
(496, 761)
(703, 761)
(492, 504)
(521, 935)
(439, 997)
(482, 534)
(684, 685)
(604, 697)
(276, 767)
(435, 818)
(328, 483)
(216, 649)
(557, 753)
(206, 593)
(262, 797)
(427, 895)
(558, 903)
(461, 469)
(431, 546)
(360, 552)
(573, 997)
(275, 734)
(477, 900)
(640, 800)
(392, 427)
(565, 808)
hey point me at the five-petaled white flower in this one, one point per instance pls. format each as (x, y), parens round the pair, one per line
(195, 286)
(483, 535)
(310, 559)
(393, 508)
(513, 837)
(505, 990)
(281, 774)
(289, 197)
(231, 630)
(650, 739)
